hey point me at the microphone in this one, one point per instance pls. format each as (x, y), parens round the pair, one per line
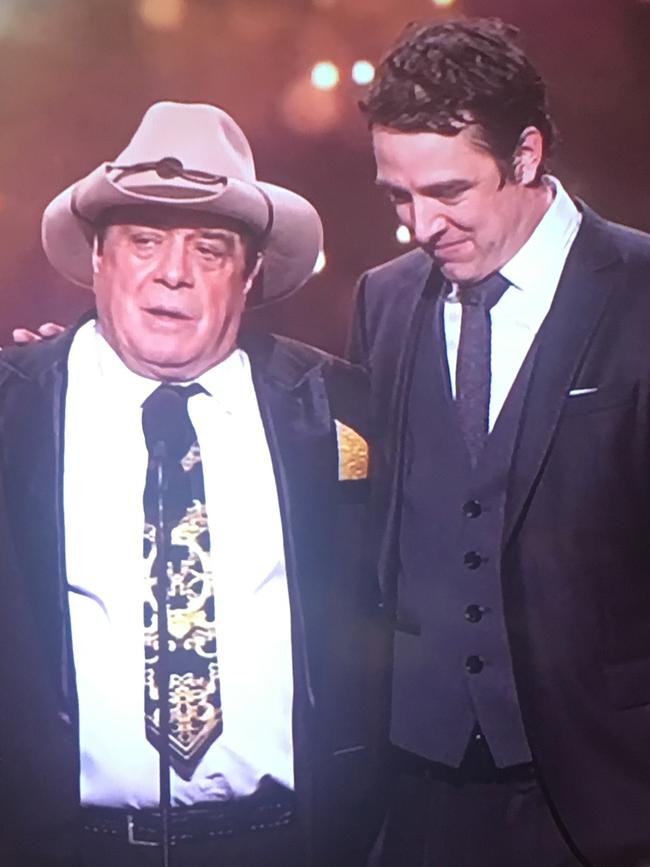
(163, 433)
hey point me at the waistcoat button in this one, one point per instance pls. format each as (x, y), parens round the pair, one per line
(474, 664)
(472, 509)
(473, 613)
(472, 560)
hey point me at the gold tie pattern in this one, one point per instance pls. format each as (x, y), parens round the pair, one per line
(196, 718)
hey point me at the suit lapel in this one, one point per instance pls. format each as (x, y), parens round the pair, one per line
(300, 433)
(299, 430)
(392, 457)
(588, 284)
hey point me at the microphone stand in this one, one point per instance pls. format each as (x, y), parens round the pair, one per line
(160, 459)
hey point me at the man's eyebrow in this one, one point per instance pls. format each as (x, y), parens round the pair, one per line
(439, 190)
(135, 227)
(447, 188)
(217, 235)
(386, 185)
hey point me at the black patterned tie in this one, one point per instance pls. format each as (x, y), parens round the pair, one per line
(473, 362)
(195, 718)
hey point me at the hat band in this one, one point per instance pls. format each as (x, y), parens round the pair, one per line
(167, 168)
(171, 167)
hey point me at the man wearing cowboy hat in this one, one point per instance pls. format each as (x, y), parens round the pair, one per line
(157, 439)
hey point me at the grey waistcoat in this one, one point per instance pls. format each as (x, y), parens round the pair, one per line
(453, 665)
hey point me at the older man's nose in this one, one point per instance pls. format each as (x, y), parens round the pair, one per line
(174, 266)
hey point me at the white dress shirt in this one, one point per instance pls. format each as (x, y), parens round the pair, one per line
(533, 273)
(105, 461)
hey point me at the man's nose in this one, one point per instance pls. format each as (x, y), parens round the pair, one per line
(174, 266)
(429, 220)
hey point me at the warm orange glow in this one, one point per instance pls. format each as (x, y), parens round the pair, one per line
(162, 14)
(307, 111)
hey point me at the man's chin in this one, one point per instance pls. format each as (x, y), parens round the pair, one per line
(163, 366)
(457, 273)
(463, 272)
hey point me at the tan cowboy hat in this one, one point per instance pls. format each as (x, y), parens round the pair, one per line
(194, 157)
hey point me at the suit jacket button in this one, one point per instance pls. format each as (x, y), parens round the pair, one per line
(472, 560)
(474, 664)
(472, 509)
(474, 613)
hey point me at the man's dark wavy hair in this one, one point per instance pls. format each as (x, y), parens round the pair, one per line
(443, 77)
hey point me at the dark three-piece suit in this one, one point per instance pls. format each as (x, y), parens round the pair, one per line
(519, 589)
(332, 594)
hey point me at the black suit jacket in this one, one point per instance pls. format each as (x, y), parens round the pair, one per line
(332, 597)
(576, 548)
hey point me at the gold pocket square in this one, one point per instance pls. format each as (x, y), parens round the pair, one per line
(353, 453)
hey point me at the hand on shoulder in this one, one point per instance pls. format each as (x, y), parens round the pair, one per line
(22, 336)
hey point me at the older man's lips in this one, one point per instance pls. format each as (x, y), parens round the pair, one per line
(165, 320)
(166, 313)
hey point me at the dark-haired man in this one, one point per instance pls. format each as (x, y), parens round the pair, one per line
(510, 376)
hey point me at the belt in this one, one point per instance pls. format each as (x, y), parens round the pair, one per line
(270, 807)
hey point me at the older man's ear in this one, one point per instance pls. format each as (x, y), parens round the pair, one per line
(47, 329)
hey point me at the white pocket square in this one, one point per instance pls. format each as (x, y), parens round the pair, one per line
(576, 391)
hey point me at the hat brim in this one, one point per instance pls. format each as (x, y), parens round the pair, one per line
(288, 224)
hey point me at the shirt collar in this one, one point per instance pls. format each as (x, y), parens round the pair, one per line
(538, 264)
(225, 382)
(536, 267)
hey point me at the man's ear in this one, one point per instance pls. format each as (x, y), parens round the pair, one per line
(528, 156)
(253, 274)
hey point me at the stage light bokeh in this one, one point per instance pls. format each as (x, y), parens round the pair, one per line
(403, 235)
(325, 75)
(79, 74)
(363, 72)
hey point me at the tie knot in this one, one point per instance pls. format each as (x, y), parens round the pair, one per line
(185, 392)
(485, 293)
(165, 419)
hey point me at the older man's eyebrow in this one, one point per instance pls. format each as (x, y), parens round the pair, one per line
(228, 238)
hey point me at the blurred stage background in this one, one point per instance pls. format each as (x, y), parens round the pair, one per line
(77, 75)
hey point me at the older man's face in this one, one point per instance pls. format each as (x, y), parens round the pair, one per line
(170, 289)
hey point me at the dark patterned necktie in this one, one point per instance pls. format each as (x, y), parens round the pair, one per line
(473, 362)
(195, 718)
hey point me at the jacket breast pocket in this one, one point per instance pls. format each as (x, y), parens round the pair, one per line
(354, 490)
(607, 397)
(628, 683)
